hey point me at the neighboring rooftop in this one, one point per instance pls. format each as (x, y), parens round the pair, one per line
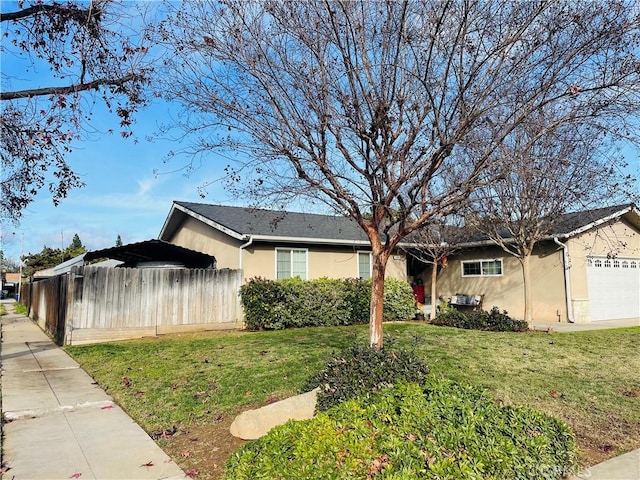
(134, 254)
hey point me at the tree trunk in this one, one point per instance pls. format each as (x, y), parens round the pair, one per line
(377, 297)
(434, 281)
(526, 280)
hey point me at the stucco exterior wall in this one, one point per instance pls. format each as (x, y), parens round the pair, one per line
(331, 262)
(619, 238)
(259, 259)
(198, 236)
(506, 291)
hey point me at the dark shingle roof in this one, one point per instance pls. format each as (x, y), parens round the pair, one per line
(567, 224)
(253, 221)
(246, 221)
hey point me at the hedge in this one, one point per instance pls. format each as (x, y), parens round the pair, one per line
(436, 430)
(289, 303)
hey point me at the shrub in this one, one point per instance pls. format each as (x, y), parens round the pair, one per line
(493, 320)
(399, 302)
(410, 431)
(274, 305)
(359, 369)
(358, 295)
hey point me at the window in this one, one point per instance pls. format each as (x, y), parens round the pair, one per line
(482, 268)
(607, 263)
(616, 264)
(291, 263)
(364, 265)
(598, 263)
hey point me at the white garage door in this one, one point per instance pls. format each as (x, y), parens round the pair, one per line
(614, 288)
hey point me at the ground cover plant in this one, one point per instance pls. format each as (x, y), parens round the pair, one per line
(438, 429)
(185, 389)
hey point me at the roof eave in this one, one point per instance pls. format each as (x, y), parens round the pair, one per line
(203, 219)
(599, 222)
(316, 241)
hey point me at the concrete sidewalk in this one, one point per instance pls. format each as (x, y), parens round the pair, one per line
(624, 467)
(60, 424)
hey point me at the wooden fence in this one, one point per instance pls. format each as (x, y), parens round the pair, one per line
(94, 304)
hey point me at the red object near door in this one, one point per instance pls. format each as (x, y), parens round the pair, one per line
(418, 293)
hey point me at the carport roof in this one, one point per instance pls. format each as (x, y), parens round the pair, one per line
(154, 251)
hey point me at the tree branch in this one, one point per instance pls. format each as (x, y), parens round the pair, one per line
(36, 9)
(81, 87)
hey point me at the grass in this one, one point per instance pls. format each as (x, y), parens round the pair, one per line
(590, 379)
(20, 309)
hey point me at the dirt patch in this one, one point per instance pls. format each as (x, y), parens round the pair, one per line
(604, 438)
(201, 451)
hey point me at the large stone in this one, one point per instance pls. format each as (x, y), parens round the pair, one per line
(254, 424)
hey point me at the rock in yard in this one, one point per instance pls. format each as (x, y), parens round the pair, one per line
(254, 424)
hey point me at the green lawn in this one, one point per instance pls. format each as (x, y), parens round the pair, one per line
(589, 379)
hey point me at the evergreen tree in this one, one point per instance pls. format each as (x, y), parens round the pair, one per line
(76, 248)
(47, 258)
(118, 241)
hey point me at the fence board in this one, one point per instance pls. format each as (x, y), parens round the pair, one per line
(94, 304)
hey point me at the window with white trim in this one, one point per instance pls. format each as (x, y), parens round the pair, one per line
(365, 264)
(291, 263)
(482, 268)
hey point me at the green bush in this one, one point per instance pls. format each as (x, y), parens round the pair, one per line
(359, 369)
(358, 295)
(399, 302)
(494, 320)
(278, 304)
(411, 431)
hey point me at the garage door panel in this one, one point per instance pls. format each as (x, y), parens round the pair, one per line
(614, 288)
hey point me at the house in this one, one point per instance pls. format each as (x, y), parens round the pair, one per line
(274, 245)
(10, 284)
(586, 270)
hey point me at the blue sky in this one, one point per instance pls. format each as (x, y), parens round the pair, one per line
(128, 192)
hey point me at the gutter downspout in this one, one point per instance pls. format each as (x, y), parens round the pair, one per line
(567, 279)
(242, 247)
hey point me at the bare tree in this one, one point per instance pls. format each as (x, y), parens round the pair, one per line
(539, 174)
(389, 112)
(432, 245)
(58, 59)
